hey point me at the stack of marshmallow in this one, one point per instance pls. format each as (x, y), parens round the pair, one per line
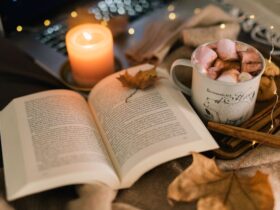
(228, 61)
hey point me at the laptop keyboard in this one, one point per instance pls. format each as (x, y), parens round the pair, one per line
(54, 36)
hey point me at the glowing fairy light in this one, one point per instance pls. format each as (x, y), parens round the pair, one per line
(131, 31)
(47, 22)
(275, 92)
(222, 26)
(196, 11)
(272, 112)
(272, 48)
(74, 14)
(19, 28)
(252, 17)
(170, 8)
(172, 16)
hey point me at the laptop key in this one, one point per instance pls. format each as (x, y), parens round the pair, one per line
(59, 46)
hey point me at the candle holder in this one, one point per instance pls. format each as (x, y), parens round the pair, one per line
(68, 80)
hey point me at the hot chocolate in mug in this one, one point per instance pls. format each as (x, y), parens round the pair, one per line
(216, 100)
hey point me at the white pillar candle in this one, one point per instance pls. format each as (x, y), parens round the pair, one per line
(90, 52)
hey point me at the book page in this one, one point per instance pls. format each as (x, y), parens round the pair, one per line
(152, 127)
(57, 143)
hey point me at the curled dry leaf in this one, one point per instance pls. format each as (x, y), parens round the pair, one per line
(214, 201)
(271, 69)
(205, 182)
(142, 80)
(267, 88)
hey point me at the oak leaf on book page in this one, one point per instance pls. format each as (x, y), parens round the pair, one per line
(141, 80)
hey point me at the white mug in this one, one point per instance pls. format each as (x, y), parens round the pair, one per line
(219, 101)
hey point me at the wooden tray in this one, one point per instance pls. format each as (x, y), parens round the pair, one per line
(232, 148)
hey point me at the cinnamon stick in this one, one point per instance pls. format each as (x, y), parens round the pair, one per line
(257, 122)
(265, 113)
(261, 122)
(246, 134)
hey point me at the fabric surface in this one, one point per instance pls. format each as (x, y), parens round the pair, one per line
(97, 196)
(200, 28)
(158, 38)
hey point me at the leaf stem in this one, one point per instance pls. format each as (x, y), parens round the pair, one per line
(229, 188)
(244, 191)
(133, 93)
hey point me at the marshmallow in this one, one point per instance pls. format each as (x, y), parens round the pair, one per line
(213, 46)
(229, 76)
(226, 50)
(251, 67)
(228, 61)
(220, 64)
(213, 72)
(240, 47)
(205, 56)
(244, 76)
(250, 56)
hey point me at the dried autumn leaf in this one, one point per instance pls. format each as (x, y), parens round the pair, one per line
(214, 201)
(271, 69)
(214, 189)
(142, 80)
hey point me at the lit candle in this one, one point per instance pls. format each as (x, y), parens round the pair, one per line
(90, 52)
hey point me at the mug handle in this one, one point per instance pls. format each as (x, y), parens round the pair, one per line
(173, 78)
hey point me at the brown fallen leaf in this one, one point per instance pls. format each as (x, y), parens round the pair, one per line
(215, 189)
(267, 89)
(271, 69)
(142, 80)
(214, 201)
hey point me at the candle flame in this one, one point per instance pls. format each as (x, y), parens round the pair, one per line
(87, 36)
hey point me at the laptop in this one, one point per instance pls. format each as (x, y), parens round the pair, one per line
(39, 27)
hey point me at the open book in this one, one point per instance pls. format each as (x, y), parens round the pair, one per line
(56, 138)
